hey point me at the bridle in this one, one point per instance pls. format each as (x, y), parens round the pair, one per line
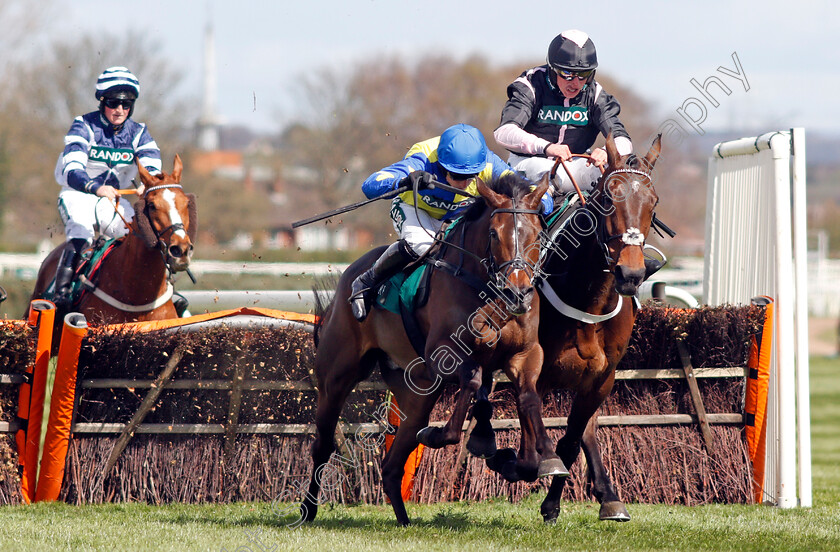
(632, 236)
(499, 272)
(162, 246)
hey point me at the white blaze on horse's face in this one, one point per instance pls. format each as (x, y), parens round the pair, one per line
(174, 216)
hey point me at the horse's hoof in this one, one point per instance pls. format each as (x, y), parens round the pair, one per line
(482, 446)
(614, 511)
(550, 516)
(430, 437)
(552, 466)
(504, 463)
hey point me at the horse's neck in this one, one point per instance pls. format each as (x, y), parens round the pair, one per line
(135, 273)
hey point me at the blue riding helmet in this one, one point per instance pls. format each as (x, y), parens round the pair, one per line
(462, 150)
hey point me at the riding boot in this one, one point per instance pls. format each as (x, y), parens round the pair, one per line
(394, 259)
(62, 296)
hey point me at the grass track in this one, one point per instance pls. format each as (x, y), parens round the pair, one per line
(495, 525)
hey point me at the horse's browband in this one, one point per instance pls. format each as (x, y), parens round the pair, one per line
(153, 188)
(631, 171)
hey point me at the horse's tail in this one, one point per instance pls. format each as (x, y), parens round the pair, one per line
(323, 290)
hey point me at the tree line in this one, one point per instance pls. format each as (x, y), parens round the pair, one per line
(350, 123)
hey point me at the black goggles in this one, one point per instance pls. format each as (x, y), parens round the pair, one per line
(113, 103)
(461, 177)
(570, 75)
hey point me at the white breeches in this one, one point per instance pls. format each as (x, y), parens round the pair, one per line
(86, 214)
(535, 167)
(415, 226)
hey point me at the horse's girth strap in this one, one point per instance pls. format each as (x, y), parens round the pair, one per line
(576, 314)
(125, 307)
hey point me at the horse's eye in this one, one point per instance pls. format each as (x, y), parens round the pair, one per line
(493, 234)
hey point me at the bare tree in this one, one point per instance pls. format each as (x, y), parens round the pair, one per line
(366, 118)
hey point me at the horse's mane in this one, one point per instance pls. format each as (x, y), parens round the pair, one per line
(512, 185)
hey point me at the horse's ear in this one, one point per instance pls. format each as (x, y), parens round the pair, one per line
(176, 171)
(145, 177)
(144, 226)
(492, 197)
(192, 229)
(653, 152)
(613, 157)
(532, 200)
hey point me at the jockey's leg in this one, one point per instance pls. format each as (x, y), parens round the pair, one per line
(62, 297)
(534, 168)
(109, 217)
(77, 212)
(394, 259)
(416, 229)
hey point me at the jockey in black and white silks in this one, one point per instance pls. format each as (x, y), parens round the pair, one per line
(558, 109)
(97, 160)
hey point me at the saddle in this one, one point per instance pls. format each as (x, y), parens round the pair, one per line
(409, 289)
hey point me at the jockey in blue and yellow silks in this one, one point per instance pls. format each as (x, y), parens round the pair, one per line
(456, 157)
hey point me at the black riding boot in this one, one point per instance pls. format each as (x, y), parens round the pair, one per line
(62, 296)
(394, 259)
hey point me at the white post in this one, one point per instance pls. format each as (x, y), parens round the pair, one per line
(785, 331)
(800, 234)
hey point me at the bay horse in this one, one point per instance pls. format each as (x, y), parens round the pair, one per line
(593, 270)
(132, 282)
(470, 330)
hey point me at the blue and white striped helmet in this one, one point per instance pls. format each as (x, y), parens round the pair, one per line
(116, 79)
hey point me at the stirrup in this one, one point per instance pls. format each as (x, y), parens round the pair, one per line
(360, 304)
(652, 264)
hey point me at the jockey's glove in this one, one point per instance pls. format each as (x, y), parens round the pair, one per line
(417, 180)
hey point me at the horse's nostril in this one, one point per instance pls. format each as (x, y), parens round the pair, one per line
(175, 251)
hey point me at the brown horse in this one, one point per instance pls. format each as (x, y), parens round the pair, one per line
(132, 283)
(593, 271)
(481, 315)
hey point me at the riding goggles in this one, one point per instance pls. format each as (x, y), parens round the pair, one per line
(113, 103)
(570, 75)
(461, 177)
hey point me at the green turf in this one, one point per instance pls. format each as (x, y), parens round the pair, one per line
(494, 526)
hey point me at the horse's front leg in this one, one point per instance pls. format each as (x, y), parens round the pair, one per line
(536, 452)
(469, 376)
(482, 441)
(581, 430)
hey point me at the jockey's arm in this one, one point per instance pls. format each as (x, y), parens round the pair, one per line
(388, 178)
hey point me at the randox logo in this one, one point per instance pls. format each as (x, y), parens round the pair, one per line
(561, 115)
(438, 203)
(112, 156)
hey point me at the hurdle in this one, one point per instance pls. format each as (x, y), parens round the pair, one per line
(756, 246)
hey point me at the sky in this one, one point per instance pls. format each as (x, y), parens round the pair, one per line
(788, 58)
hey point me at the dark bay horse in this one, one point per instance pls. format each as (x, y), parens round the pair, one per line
(470, 330)
(132, 283)
(593, 271)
